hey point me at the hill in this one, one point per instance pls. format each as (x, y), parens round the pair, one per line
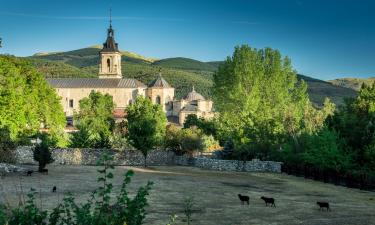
(185, 64)
(181, 73)
(352, 83)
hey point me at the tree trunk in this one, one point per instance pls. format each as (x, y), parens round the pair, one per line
(145, 160)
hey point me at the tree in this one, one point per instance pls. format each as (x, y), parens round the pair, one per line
(146, 125)
(260, 101)
(27, 101)
(355, 124)
(208, 127)
(191, 140)
(173, 139)
(191, 120)
(42, 153)
(7, 146)
(95, 121)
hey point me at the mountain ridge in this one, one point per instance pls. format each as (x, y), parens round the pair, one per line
(180, 72)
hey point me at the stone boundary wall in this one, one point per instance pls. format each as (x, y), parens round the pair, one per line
(230, 165)
(76, 156)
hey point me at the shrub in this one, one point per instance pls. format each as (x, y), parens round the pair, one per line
(7, 146)
(42, 152)
(98, 210)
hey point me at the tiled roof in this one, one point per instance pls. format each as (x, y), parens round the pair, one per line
(160, 82)
(94, 83)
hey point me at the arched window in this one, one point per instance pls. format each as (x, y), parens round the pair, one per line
(109, 65)
(158, 100)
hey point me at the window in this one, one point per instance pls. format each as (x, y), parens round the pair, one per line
(130, 102)
(158, 100)
(109, 65)
(71, 103)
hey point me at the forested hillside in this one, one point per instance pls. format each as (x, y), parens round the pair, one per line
(352, 83)
(181, 73)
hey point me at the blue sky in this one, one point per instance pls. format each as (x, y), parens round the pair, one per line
(325, 39)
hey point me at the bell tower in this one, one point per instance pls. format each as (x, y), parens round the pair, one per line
(110, 56)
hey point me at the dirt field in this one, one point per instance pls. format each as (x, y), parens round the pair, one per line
(215, 194)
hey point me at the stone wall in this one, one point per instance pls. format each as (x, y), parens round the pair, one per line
(75, 156)
(229, 165)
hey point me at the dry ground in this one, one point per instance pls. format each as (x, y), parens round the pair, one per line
(215, 194)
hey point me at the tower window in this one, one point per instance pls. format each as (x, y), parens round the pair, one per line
(158, 100)
(109, 65)
(71, 103)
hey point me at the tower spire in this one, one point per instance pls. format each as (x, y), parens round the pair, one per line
(110, 17)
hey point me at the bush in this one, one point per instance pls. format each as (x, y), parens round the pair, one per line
(98, 210)
(7, 146)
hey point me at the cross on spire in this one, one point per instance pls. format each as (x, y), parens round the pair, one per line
(110, 17)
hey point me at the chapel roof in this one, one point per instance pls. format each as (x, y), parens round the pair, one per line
(193, 96)
(160, 82)
(95, 83)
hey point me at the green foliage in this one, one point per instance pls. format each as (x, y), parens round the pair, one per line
(27, 101)
(173, 137)
(355, 124)
(95, 121)
(322, 150)
(191, 140)
(3, 216)
(228, 150)
(29, 214)
(208, 127)
(146, 125)
(7, 146)
(42, 153)
(209, 143)
(189, 203)
(98, 210)
(261, 102)
(187, 140)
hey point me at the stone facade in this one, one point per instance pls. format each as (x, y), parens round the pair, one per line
(122, 97)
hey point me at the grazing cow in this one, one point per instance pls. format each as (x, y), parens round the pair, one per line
(29, 172)
(54, 189)
(269, 201)
(323, 205)
(44, 171)
(244, 199)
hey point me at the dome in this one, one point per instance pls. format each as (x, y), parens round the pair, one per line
(193, 96)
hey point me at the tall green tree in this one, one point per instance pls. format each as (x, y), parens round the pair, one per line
(260, 100)
(146, 125)
(94, 121)
(27, 101)
(355, 123)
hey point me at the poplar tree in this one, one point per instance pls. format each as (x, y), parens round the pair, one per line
(261, 102)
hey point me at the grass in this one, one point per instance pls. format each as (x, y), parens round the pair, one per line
(215, 195)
